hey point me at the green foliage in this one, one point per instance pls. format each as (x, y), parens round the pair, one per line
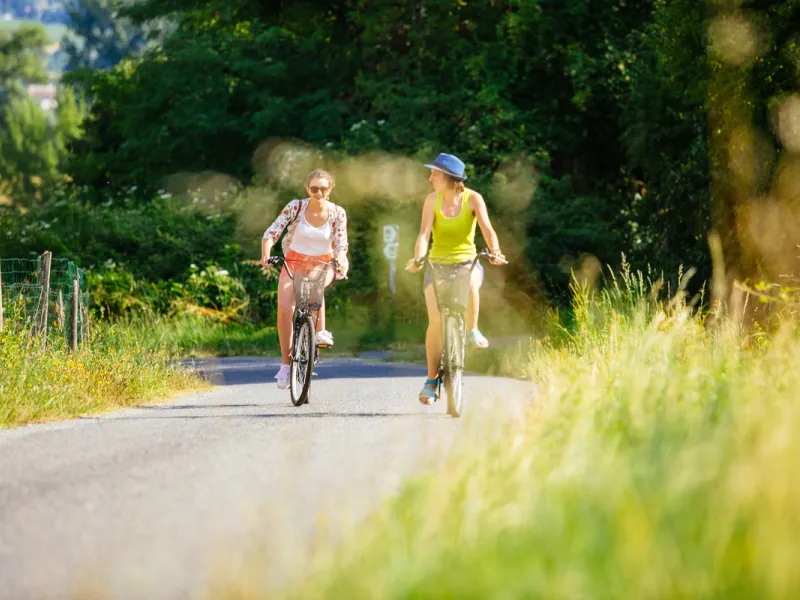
(609, 103)
(157, 241)
(29, 158)
(452, 76)
(20, 58)
(33, 143)
(166, 257)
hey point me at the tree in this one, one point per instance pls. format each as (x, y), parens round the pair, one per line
(101, 37)
(691, 109)
(492, 82)
(21, 54)
(611, 101)
(33, 143)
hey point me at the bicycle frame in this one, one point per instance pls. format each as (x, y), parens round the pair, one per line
(309, 288)
(307, 292)
(447, 310)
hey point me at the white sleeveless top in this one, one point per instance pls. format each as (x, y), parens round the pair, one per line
(310, 240)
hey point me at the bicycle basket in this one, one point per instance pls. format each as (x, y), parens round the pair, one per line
(309, 288)
(451, 283)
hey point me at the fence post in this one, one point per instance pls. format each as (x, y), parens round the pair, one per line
(1, 299)
(61, 317)
(40, 326)
(73, 338)
(84, 322)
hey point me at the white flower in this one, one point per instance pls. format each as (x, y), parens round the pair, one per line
(221, 273)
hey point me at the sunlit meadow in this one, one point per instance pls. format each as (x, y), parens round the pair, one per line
(658, 460)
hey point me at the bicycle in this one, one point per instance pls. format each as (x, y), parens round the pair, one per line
(309, 293)
(451, 286)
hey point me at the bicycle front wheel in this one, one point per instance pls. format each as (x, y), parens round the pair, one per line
(454, 364)
(302, 360)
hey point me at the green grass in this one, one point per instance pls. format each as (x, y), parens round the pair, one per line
(194, 336)
(657, 461)
(112, 371)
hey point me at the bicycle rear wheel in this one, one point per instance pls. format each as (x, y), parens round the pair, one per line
(302, 360)
(454, 364)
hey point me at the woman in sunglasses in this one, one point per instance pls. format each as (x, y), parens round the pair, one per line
(316, 231)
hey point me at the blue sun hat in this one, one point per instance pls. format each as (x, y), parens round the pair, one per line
(449, 165)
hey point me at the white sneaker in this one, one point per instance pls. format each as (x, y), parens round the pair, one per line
(324, 338)
(283, 377)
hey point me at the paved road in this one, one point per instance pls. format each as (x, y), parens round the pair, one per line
(157, 501)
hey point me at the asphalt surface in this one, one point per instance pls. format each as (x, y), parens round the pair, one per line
(163, 501)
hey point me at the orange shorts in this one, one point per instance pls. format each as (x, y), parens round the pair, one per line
(303, 262)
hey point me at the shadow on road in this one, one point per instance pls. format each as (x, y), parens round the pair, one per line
(249, 371)
(288, 415)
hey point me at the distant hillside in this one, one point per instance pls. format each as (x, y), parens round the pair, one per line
(55, 31)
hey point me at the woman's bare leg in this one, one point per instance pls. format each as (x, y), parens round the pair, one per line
(320, 315)
(285, 312)
(433, 337)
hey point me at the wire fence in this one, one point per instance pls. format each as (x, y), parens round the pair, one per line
(46, 296)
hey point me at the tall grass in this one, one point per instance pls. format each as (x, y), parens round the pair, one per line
(190, 335)
(112, 371)
(658, 460)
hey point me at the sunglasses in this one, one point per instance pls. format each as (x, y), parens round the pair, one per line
(318, 190)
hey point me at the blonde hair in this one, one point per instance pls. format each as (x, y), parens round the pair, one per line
(320, 174)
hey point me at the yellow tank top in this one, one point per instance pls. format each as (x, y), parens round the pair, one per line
(453, 237)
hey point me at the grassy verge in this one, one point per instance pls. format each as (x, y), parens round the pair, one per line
(113, 371)
(656, 462)
(192, 336)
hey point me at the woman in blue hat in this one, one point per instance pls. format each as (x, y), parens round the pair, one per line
(450, 213)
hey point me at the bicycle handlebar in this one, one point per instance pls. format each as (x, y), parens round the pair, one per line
(483, 253)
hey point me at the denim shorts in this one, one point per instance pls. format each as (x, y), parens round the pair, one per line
(477, 273)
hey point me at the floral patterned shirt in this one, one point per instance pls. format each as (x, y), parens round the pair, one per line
(290, 215)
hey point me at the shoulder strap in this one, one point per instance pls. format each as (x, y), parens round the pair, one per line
(297, 209)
